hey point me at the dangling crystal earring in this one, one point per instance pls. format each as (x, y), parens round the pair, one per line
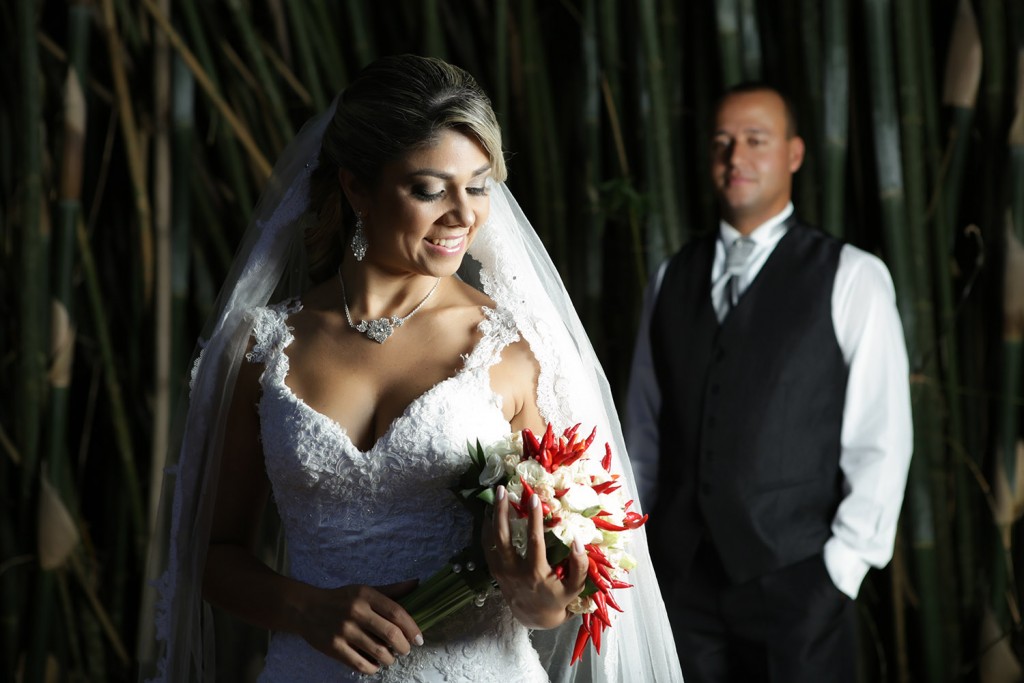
(359, 243)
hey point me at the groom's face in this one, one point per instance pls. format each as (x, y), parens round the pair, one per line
(753, 157)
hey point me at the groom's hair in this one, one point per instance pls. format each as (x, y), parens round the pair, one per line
(763, 86)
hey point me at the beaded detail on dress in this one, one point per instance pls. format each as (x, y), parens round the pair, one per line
(387, 514)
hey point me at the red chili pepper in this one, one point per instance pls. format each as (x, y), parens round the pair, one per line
(606, 461)
(571, 431)
(611, 602)
(549, 438)
(634, 520)
(607, 526)
(606, 486)
(581, 639)
(531, 446)
(602, 610)
(597, 554)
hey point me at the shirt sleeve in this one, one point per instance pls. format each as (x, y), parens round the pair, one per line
(877, 432)
(643, 402)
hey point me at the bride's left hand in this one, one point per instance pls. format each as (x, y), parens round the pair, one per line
(536, 595)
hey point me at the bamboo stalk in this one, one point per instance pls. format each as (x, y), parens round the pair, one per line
(308, 72)
(62, 330)
(545, 169)
(836, 76)
(360, 29)
(32, 285)
(12, 594)
(269, 89)
(594, 225)
(664, 187)
(326, 43)
(239, 129)
(805, 59)
(133, 149)
(285, 72)
(226, 145)
(433, 36)
(750, 41)
(280, 28)
(727, 15)
(899, 246)
(930, 445)
(501, 69)
(1007, 417)
(162, 217)
(34, 273)
(962, 73)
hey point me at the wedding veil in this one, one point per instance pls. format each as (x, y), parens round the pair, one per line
(509, 263)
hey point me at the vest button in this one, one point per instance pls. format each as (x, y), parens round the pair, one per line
(714, 390)
(719, 354)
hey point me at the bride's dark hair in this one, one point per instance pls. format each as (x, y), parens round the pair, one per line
(395, 105)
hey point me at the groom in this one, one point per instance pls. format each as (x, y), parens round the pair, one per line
(768, 420)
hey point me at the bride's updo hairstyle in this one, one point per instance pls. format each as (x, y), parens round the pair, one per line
(394, 106)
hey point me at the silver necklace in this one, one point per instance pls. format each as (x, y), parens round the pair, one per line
(381, 328)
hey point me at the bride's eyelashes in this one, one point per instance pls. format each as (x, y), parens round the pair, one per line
(423, 194)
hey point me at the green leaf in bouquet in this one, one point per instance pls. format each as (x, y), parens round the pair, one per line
(556, 550)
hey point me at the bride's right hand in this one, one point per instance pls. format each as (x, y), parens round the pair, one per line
(361, 626)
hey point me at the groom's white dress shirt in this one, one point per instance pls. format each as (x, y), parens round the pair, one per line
(877, 431)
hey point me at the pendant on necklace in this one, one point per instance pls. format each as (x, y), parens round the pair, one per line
(380, 329)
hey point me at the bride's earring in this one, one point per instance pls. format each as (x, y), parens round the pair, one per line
(359, 243)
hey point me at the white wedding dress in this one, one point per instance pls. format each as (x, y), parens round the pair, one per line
(388, 514)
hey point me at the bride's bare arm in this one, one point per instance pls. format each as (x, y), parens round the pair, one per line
(537, 597)
(358, 625)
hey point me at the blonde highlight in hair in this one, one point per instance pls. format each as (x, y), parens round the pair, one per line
(394, 106)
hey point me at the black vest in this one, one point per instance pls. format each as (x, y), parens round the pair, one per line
(752, 409)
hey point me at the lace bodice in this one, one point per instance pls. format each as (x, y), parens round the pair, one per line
(387, 514)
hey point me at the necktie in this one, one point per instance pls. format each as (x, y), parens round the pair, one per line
(736, 258)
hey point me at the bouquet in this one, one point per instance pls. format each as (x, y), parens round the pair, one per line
(580, 498)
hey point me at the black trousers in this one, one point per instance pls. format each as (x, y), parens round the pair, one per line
(790, 626)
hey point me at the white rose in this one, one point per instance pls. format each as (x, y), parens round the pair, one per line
(494, 470)
(580, 498)
(574, 526)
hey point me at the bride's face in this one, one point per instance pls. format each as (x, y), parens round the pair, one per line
(427, 207)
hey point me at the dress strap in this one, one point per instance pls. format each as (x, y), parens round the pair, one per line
(270, 330)
(497, 330)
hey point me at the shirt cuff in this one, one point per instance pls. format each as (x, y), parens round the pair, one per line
(845, 567)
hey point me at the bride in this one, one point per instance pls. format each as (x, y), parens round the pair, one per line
(415, 311)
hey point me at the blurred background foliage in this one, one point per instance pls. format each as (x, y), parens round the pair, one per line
(135, 136)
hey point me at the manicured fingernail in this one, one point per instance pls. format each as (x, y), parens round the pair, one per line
(534, 501)
(577, 546)
(501, 493)
(418, 639)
